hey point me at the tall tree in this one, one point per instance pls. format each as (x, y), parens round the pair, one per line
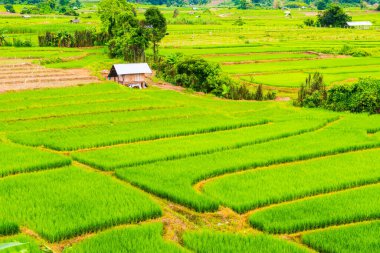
(117, 16)
(333, 16)
(156, 22)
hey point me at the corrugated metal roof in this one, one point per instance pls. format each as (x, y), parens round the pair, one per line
(359, 23)
(132, 68)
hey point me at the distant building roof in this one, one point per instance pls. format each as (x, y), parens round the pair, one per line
(129, 69)
(359, 23)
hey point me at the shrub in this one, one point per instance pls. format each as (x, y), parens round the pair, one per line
(20, 43)
(349, 50)
(363, 96)
(309, 22)
(313, 92)
(198, 74)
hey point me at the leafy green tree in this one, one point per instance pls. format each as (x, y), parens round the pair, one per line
(117, 16)
(2, 38)
(156, 23)
(244, 4)
(259, 93)
(322, 4)
(333, 16)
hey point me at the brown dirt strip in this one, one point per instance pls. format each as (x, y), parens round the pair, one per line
(24, 76)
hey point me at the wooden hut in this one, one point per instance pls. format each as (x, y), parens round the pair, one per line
(132, 74)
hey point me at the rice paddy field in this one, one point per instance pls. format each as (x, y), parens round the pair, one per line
(99, 167)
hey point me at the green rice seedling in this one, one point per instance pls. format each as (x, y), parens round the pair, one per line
(339, 208)
(297, 65)
(40, 95)
(79, 99)
(258, 57)
(139, 238)
(173, 179)
(19, 243)
(100, 118)
(361, 237)
(245, 191)
(17, 159)
(210, 241)
(179, 147)
(60, 204)
(84, 109)
(111, 134)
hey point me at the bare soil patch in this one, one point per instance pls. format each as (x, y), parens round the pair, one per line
(25, 75)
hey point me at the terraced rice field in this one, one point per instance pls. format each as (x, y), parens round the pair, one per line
(195, 173)
(102, 168)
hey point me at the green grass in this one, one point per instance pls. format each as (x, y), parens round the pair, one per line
(339, 208)
(363, 238)
(60, 204)
(209, 241)
(18, 159)
(257, 188)
(143, 238)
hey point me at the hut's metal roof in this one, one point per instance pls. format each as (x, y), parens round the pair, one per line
(359, 23)
(132, 68)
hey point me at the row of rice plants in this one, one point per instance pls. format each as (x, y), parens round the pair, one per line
(17, 159)
(210, 241)
(333, 209)
(297, 65)
(142, 238)
(101, 118)
(179, 147)
(32, 53)
(60, 204)
(294, 79)
(256, 188)
(40, 95)
(173, 179)
(259, 57)
(97, 136)
(6, 106)
(362, 237)
(86, 108)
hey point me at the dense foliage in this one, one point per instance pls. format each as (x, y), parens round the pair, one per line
(130, 37)
(66, 7)
(84, 38)
(200, 75)
(334, 16)
(362, 96)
